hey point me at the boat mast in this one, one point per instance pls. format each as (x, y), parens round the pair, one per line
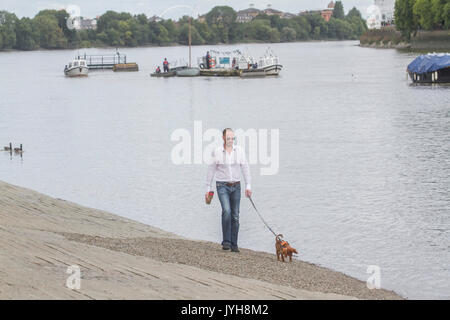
(189, 41)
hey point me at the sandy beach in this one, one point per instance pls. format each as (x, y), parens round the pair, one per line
(41, 236)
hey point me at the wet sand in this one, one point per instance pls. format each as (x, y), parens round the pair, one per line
(41, 236)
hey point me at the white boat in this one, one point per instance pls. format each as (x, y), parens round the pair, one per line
(269, 63)
(187, 71)
(77, 68)
(226, 60)
(253, 73)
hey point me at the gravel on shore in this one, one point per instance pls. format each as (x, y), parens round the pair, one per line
(40, 237)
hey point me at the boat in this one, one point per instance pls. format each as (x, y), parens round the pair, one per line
(252, 73)
(188, 71)
(430, 68)
(269, 63)
(223, 61)
(171, 73)
(77, 68)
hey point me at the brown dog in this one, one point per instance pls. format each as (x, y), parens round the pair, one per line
(283, 248)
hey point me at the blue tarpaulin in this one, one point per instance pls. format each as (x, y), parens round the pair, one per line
(429, 63)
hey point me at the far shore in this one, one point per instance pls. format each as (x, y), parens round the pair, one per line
(42, 238)
(168, 45)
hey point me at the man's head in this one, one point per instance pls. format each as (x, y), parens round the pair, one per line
(228, 137)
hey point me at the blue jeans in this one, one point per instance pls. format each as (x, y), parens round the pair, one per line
(230, 198)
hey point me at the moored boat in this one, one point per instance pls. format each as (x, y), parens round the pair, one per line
(252, 73)
(77, 68)
(171, 73)
(430, 68)
(187, 72)
(269, 63)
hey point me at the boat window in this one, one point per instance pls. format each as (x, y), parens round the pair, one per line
(75, 63)
(70, 64)
(82, 63)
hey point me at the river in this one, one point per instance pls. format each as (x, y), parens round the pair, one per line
(364, 155)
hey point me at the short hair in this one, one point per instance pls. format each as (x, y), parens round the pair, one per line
(224, 132)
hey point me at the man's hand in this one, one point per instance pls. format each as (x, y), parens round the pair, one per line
(206, 196)
(248, 193)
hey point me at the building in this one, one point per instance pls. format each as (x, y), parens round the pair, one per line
(325, 13)
(386, 10)
(88, 24)
(155, 19)
(381, 14)
(247, 15)
(328, 12)
(308, 12)
(272, 12)
(288, 15)
(81, 23)
(202, 18)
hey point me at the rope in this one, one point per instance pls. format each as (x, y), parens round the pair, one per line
(253, 204)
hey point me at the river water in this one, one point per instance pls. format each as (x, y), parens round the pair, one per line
(364, 156)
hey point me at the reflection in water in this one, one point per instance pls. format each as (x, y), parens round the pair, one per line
(364, 155)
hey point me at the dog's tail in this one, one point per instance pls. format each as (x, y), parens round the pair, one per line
(279, 235)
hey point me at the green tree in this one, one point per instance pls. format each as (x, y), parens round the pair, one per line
(162, 35)
(316, 20)
(341, 29)
(405, 20)
(25, 35)
(302, 28)
(50, 34)
(171, 29)
(196, 38)
(8, 23)
(288, 34)
(207, 33)
(316, 33)
(338, 12)
(423, 13)
(353, 13)
(221, 15)
(446, 16)
(438, 11)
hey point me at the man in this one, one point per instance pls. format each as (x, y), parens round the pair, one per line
(166, 65)
(208, 60)
(226, 165)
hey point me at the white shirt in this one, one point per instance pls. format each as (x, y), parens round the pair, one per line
(224, 166)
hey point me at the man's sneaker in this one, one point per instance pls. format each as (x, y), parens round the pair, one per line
(235, 249)
(226, 247)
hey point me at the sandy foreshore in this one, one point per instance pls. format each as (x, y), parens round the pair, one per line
(40, 237)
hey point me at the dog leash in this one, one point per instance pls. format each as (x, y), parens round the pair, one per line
(253, 204)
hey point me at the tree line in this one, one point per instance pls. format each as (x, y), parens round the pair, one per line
(48, 29)
(414, 15)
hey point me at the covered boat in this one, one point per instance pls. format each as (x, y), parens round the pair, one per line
(430, 68)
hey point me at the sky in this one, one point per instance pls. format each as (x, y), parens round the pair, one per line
(173, 8)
